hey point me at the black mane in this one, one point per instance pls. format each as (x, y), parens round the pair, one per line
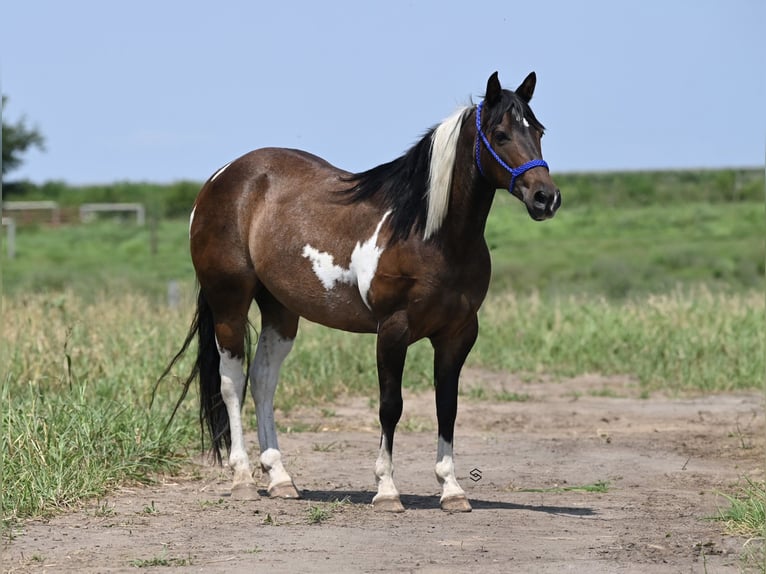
(402, 186)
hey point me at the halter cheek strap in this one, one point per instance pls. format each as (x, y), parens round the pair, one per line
(514, 171)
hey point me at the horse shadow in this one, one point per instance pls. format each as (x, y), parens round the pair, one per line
(423, 502)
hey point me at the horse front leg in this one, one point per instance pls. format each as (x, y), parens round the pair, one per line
(450, 352)
(393, 339)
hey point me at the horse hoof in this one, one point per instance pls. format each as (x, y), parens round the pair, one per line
(456, 504)
(389, 504)
(245, 491)
(284, 490)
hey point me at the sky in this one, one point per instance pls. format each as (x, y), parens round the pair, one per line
(167, 90)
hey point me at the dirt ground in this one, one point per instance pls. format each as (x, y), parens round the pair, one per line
(663, 460)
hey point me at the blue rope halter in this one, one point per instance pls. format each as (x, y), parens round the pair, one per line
(515, 172)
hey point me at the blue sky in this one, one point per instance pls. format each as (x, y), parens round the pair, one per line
(161, 90)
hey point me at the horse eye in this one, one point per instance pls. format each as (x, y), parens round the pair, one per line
(501, 137)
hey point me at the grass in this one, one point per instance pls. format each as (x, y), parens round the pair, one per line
(682, 341)
(80, 373)
(598, 486)
(74, 398)
(631, 251)
(161, 560)
(104, 257)
(746, 517)
(318, 513)
(746, 514)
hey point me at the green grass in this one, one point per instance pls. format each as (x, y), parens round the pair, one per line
(98, 258)
(746, 517)
(599, 486)
(162, 560)
(75, 393)
(746, 514)
(75, 398)
(628, 251)
(318, 513)
(683, 341)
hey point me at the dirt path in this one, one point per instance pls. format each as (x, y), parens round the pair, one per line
(663, 460)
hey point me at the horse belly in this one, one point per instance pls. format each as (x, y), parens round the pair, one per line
(339, 307)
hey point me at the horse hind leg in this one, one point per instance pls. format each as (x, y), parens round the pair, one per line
(278, 330)
(227, 306)
(232, 391)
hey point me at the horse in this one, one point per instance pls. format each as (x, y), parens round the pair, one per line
(397, 250)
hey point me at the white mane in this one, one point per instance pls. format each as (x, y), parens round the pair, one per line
(443, 148)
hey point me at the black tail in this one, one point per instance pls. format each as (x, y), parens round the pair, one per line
(212, 410)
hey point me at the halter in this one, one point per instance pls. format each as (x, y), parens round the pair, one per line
(515, 172)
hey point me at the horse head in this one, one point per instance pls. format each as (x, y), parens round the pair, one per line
(508, 150)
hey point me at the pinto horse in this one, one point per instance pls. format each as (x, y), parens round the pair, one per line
(397, 250)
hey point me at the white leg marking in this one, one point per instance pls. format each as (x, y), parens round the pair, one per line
(384, 473)
(445, 471)
(264, 375)
(219, 172)
(271, 460)
(232, 389)
(364, 263)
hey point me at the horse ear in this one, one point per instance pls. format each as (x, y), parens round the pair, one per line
(527, 87)
(494, 90)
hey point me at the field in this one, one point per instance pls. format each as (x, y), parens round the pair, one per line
(630, 313)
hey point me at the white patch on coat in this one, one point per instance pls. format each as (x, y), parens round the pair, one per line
(191, 218)
(361, 270)
(219, 172)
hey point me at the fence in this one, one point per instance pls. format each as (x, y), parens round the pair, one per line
(88, 209)
(51, 206)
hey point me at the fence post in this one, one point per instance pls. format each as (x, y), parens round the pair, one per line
(174, 294)
(10, 236)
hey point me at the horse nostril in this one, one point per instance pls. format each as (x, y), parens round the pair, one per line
(541, 197)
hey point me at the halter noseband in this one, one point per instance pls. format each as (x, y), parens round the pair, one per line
(515, 172)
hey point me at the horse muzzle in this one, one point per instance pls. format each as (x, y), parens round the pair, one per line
(544, 204)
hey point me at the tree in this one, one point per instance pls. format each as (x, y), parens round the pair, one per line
(17, 139)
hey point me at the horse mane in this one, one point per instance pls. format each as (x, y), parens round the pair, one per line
(415, 186)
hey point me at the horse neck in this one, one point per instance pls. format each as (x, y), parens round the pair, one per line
(471, 196)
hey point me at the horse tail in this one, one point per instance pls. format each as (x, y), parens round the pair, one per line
(212, 411)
